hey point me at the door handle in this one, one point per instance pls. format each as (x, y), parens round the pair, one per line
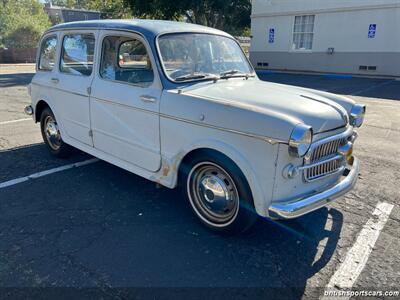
(147, 98)
(55, 80)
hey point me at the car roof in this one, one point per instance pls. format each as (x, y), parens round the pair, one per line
(149, 28)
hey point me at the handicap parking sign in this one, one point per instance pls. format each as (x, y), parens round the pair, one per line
(271, 38)
(371, 31)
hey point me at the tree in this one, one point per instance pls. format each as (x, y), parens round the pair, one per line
(22, 22)
(63, 3)
(109, 9)
(228, 15)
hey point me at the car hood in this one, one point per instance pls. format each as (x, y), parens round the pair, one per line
(322, 111)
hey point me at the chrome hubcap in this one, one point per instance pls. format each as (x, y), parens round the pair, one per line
(213, 194)
(52, 133)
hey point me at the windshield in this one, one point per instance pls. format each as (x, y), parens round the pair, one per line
(195, 56)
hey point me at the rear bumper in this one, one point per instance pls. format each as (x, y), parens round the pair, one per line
(298, 207)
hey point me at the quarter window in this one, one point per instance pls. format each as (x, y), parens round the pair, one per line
(48, 53)
(126, 60)
(303, 32)
(77, 54)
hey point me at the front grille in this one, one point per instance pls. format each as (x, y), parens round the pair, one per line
(324, 152)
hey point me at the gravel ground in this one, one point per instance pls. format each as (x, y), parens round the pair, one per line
(101, 227)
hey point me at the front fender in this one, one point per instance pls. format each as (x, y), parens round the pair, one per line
(170, 179)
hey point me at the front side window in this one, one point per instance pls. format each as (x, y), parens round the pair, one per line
(125, 59)
(303, 32)
(195, 56)
(48, 53)
(77, 54)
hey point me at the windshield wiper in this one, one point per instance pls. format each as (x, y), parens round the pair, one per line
(197, 76)
(233, 73)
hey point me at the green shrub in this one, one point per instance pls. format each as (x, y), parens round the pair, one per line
(21, 23)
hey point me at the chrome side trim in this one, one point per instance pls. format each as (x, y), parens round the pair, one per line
(263, 138)
(202, 124)
(124, 105)
(303, 205)
(260, 137)
(62, 90)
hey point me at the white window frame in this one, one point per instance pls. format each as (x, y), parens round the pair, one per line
(135, 36)
(302, 34)
(39, 59)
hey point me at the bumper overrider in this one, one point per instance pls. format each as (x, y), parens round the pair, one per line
(28, 110)
(298, 207)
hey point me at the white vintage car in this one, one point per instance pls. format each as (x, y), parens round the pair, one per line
(180, 104)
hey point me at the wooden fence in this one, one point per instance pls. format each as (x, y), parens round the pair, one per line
(16, 55)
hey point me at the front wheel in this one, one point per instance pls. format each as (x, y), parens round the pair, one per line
(220, 195)
(51, 134)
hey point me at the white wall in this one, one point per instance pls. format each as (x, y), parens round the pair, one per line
(345, 31)
(260, 7)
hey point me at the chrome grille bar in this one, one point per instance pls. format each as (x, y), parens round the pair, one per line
(323, 159)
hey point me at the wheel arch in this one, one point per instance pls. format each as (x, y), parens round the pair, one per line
(218, 147)
(41, 105)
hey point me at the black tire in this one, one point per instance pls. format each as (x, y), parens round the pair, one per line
(54, 143)
(229, 217)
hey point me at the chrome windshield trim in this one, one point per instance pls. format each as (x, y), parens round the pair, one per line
(252, 72)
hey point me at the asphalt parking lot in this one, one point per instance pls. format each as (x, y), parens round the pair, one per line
(98, 226)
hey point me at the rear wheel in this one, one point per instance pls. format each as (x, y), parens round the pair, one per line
(219, 194)
(51, 134)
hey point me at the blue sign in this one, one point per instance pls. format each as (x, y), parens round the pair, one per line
(271, 38)
(372, 31)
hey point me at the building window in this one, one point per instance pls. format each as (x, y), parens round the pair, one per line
(303, 32)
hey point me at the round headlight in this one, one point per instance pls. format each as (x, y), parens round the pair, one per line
(357, 114)
(300, 140)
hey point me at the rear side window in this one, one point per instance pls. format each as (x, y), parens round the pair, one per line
(48, 53)
(126, 59)
(77, 54)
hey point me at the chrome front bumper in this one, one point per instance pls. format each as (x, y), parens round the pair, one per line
(298, 207)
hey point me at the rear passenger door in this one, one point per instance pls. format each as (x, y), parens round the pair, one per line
(42, 86)
(72, 83)
(125, 100)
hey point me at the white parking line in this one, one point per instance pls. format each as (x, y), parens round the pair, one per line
(371, 88)
(47, 172)
(15, 121)
(357, 257)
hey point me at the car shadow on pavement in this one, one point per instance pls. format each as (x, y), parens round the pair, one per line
(15, 79)
(100, 226)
